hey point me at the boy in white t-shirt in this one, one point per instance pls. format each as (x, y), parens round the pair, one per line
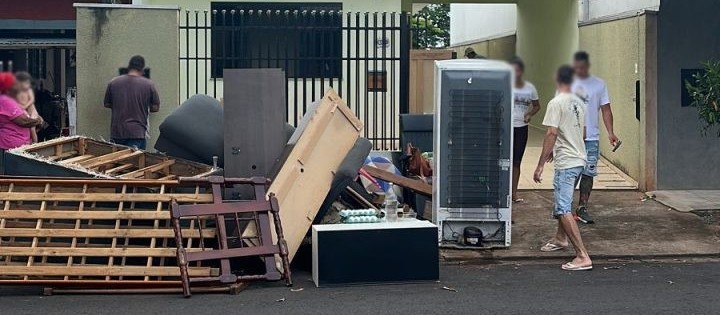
(593, 91)
(564, 143)
(526, 104)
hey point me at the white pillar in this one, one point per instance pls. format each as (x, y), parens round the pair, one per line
(547, 36)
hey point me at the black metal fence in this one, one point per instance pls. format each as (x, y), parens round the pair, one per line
(364, 56)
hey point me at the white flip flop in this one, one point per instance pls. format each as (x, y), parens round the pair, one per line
(572, 267)
(551, 247)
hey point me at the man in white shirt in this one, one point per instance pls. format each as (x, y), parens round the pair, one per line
(564, 143)
(526, 104)
(593, 91)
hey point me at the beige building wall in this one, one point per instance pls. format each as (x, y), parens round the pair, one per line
(107, 36)
(617, 55)
(502, 48)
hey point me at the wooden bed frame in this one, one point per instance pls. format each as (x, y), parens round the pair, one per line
(108, 160)
(96, 233)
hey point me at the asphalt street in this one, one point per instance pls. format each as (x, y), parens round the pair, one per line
(612, 288)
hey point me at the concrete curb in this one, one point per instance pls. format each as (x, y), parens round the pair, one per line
(458, 260)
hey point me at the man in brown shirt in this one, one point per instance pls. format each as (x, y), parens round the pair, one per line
(132, 98)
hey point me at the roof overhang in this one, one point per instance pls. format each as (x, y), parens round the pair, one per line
(14, 24)
(10, 43)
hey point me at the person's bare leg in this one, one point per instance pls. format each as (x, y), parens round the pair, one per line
(516, 180)
(582, 258)
(560, 236)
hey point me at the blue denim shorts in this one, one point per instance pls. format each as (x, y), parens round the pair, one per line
(564, 184)
(593, 153)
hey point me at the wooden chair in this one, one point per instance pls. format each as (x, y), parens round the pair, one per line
(237, 213)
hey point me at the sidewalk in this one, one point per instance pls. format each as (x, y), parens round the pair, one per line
(626, 227)
(609, 177)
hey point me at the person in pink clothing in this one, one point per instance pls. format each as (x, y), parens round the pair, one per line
(15, 124)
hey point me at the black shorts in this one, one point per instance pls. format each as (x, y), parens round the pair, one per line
(520, 139)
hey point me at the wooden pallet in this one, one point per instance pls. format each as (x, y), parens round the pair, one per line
(102, 159)
(96, 233)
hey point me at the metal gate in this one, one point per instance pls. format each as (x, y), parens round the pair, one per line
(362, 55)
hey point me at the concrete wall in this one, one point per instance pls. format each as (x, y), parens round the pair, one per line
(107, 36)
(603, 8)
(617, 55)
(502, 48)
(687, 35)
(470, 23)
(480, 20)
(546, 37)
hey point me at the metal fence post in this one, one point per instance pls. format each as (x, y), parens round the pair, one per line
(405, 38)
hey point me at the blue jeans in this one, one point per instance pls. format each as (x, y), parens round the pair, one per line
(137, 143)
(564, 184)
(592, 147)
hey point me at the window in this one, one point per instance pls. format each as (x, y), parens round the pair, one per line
(377, 81)
(278, 35)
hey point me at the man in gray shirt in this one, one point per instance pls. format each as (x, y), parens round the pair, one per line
(132, 98)
(565, 119)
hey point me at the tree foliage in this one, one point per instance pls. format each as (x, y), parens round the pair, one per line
(704, 89)
(431, 27)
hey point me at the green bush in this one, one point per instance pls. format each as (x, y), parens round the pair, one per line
(431, 27)
(704, 89)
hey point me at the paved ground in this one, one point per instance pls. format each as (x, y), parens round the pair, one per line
(612, 288)
(627, 225)
(608, 177)
(688, 200)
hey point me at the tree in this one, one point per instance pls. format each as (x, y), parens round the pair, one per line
(704, 89)
(431, 27)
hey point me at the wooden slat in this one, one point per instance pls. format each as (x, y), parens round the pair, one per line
(91, 252)
(148, 169)
(135, 232)
(416, 185)
(75, 182)
(143, 285)
(360, 198)
(115, 160)
(107, 158)
(62, 244)
(206, 174)
(84, 215)
(77, 159)
(42, 145)
(53, 225)
(62, 155)
(118, 169)
(107, 197)
(40, 270)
